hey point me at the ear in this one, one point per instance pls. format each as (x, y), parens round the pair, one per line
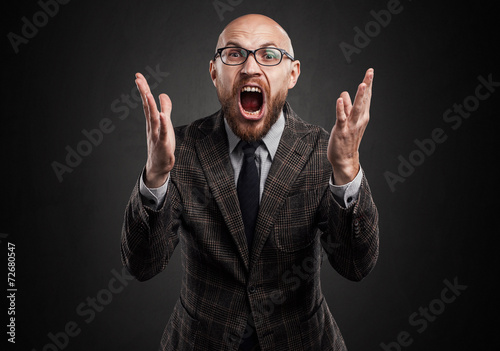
(294, 74)
(213, 72)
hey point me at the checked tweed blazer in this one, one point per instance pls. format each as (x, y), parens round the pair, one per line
(278, 280)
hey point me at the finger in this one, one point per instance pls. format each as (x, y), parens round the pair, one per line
(143, 88)
(368, 80)
(165, 121)
(347, 102)
(358, 106)
(142, 85)
(154, 116)
(341, 115)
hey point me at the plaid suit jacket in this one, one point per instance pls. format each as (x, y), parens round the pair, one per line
(278, 280)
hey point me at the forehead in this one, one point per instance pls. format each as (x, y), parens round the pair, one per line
(253, 35)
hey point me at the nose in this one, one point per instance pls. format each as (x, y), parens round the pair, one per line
(251, 67)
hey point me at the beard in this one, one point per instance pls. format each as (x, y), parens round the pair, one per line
(249, 130)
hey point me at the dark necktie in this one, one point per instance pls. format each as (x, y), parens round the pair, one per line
(248, 195)
(248, 190)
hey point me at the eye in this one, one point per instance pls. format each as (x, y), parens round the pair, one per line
(270, 55)
(235, 53)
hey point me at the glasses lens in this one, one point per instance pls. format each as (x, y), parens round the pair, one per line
(268, 56)
(264, 56)
(233, 56)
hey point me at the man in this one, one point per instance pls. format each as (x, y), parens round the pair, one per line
(254, 195)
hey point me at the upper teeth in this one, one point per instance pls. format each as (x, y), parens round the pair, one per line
(251, 89)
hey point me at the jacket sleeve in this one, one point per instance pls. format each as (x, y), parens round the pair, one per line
(149, 236)
(350, 236)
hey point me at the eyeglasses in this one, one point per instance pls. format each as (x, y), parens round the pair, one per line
(268, 56)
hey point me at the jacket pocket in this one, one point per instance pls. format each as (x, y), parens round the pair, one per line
(181, 330)
(316, 332)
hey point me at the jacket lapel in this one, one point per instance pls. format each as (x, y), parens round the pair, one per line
(213, 153)
(290, 158)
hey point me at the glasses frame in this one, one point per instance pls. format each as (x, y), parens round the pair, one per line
(283, 52)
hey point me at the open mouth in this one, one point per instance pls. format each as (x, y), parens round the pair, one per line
(251, 102)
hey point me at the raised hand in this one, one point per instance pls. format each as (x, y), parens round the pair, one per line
(160, 135)
(348, 130)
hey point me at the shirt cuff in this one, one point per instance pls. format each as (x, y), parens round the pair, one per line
(153, 197)
(347, 194)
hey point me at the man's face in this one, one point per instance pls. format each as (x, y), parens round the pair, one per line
(251, 95)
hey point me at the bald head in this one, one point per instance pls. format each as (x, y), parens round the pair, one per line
(257, 29)
(251, 113)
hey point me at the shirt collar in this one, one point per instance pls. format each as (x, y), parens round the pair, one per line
(271, 139)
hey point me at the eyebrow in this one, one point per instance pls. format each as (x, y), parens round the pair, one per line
(232, 43)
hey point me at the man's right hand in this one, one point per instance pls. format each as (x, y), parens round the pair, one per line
(160, 135)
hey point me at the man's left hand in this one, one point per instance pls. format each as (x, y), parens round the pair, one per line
(348, 130)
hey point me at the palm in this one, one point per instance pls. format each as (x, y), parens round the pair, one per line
(348, 130)
(160, 135)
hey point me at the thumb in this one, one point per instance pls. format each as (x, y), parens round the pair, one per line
(165, 105)
(165, 121)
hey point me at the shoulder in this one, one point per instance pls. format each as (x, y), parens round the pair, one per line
(307, 132)
(199, 128)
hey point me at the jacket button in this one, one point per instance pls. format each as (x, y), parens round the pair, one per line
(252, 289)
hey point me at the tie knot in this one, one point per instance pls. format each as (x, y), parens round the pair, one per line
(249, 148)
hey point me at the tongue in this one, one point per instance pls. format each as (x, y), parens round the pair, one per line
(251, 102)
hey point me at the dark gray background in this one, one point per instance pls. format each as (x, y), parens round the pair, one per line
(438, 225)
